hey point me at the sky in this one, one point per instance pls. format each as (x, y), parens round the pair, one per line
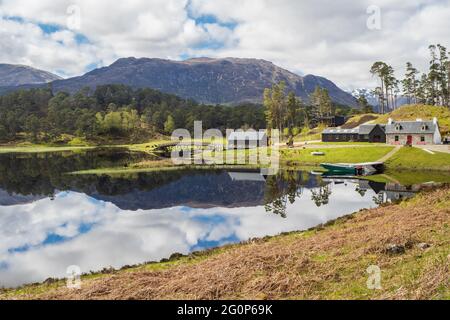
(336, 39)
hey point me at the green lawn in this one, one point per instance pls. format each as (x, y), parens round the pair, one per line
(407, 177)
(335, 155)
(418, 159)
(369, 144)
(41, 149)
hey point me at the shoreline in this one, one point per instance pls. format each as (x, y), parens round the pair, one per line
(351, 243)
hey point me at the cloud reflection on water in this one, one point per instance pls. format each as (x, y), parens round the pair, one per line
(41, 239)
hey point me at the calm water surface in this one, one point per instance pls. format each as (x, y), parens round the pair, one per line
(50, 220)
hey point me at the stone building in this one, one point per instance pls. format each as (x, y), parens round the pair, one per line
(417, 132)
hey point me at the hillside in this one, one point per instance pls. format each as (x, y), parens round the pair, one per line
(404, 113)
(209, 81)
(360, 119)
(16, 75)
(425, 112)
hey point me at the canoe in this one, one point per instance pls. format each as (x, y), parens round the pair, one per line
(341, 168)
(358, 169)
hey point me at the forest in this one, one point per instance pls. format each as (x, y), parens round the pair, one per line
(110, 112)
(119, 113)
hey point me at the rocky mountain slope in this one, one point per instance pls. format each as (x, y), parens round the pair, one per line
(206, 80)
(210, 81)
(15, 75)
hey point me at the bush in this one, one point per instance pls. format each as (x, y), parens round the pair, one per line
(78, 141)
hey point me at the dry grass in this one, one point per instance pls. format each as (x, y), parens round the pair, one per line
(328, 262)
(358, 120)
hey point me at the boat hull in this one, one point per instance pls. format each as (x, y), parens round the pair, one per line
(357, 169)
(339, 168)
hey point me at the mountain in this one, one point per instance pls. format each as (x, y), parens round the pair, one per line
(15, 75)
(206, 80)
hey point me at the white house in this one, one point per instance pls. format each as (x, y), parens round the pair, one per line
(417, 132)
(247, 139)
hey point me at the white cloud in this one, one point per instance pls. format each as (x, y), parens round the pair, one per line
(327, 38)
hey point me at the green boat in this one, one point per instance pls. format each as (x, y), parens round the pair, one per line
(340, 168)
(356, 169)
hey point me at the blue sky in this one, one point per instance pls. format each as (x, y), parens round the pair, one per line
(321, 37)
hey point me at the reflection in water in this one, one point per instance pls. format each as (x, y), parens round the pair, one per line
(49, 220)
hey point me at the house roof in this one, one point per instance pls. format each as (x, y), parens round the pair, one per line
(340, 131)
(414, 127)
(367, 128)
(247, 135)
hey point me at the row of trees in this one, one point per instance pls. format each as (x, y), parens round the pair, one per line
(286, 111)
(119, 112)
(427, 88)
(110, 112)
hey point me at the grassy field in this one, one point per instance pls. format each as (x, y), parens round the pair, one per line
(117, 171)
(41, 148)
(408, 177)
(311, 135)
(350, 144)
(405, 159)
(327, 262)
(417, 159)
(335, 155)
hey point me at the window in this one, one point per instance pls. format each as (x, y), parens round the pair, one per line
(422, 139)
(424, 127)
(397, 138)
(398, 127)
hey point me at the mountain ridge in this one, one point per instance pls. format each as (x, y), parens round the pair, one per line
(16, 75)
(206, 80)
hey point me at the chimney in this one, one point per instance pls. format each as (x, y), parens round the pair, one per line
(435, 120)
(419, 120)
(390, 121)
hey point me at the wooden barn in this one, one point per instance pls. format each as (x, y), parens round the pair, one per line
(340, 135)
(372, 133)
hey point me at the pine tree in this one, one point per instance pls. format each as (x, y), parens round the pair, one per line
(410, 83)
(433, 77)
(443, 75)
(275, 104)
(380, 69)
(169, 125)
